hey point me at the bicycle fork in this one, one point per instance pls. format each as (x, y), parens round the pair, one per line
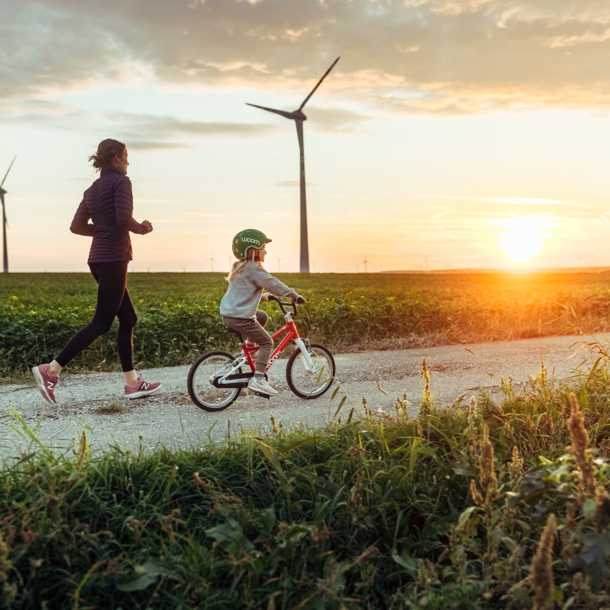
(309, 365)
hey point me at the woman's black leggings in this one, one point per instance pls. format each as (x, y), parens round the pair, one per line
(113, 300)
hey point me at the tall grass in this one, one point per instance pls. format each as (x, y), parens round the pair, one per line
(483, 506)
(179, 317)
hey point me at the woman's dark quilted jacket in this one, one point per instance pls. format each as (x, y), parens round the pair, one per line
(108, 203)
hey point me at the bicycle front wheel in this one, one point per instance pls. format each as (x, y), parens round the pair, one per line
(310, 384)
(199, 382)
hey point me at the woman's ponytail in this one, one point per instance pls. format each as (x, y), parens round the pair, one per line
(106, 152)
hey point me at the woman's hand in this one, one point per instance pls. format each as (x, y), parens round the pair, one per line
(147, 225)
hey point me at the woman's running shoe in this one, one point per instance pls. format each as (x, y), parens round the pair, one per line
(141, 388)
(46, 383)
(262, 386)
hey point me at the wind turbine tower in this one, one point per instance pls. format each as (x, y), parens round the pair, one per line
(4, 221)
(298, 117)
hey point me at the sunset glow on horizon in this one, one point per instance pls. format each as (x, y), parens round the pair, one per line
(523, 238)
(449, 135)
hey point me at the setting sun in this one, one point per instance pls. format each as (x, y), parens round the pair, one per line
(523, 237)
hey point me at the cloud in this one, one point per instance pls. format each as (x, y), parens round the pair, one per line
(170, 132)
(531, 201)
(335, 119)
(408, 56)
(519, 201)
(139, 131)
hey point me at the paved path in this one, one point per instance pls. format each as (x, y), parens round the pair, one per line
(170, 419)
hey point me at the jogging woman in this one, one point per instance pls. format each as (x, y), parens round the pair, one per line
(108, 203)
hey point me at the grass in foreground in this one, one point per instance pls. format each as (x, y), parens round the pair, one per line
(487, 506)
(179, 317)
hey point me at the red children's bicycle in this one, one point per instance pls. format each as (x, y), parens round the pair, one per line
(216, 379)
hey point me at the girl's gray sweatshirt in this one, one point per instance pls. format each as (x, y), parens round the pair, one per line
(244, 292)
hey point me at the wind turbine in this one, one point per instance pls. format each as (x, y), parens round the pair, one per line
(365, 263)
(211, 260)
(4, 221)
(298, 117)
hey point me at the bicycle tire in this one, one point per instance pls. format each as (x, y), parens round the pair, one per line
(202, 392)
(321, 381)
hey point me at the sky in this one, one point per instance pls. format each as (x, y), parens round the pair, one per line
(451, 133)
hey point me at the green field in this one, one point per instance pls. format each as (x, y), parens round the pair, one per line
(487, 505)
(179, 319)
(499, 506)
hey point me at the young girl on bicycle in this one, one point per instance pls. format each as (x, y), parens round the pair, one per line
(239, 306)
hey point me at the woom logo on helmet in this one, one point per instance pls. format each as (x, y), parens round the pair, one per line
(249, 240)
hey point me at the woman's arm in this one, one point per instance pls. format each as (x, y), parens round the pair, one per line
(123, 201)
(80, 224)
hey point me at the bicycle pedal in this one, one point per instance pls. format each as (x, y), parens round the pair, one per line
(267, 396)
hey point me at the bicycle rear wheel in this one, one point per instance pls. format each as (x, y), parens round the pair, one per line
(305, 383)
(199, 382)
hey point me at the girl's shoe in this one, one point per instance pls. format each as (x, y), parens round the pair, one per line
(141, 388)
(46, 383)
(262, 386)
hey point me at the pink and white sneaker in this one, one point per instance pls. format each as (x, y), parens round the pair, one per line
(141, 388)
(46, 383)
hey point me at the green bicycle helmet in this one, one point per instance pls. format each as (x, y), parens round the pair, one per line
(250, 238)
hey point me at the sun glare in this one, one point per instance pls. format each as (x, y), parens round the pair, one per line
(523, 237)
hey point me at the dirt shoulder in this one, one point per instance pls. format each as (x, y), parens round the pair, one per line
(94, 402)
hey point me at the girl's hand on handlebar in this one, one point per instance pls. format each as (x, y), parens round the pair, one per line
(147, 225)
(265, 297)
(299, 300)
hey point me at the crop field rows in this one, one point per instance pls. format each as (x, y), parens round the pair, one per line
(178, 315)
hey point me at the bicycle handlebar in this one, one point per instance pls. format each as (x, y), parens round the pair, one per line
(300, 300)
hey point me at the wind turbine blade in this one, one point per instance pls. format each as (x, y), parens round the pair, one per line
(287, 115)
(319, 82)
(7, 171)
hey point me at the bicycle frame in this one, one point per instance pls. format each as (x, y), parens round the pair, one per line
(231, 377)
(292, 335)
